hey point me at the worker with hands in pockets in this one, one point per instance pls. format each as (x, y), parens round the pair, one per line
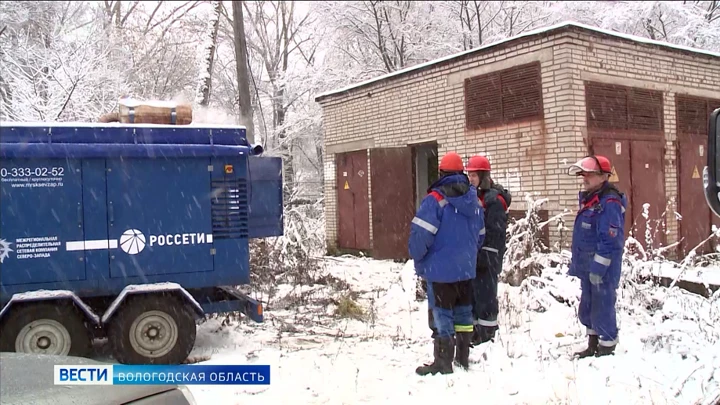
(496, 201)
(597, 249)
(445, 236)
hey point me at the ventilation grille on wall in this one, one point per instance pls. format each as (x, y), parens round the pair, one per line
(504, 97)
(693, 114)
(230, 209)
(615, 107)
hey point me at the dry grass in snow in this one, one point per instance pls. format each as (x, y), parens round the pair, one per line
(358, 336)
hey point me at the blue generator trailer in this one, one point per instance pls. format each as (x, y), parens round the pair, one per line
(129, 232)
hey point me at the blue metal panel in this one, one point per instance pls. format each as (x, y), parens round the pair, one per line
(122, 134)
(24, 134)
(229, 136)
(230, 219)
(266, 199)
(224, 276)
(48, 133)
(88, 134)
(228, 299)
(179, 135)
(105, 150)
(232, 261)
(159, 212)
(97, 261)
(41, 203)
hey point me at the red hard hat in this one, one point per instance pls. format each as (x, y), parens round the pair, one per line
(478, 163)
(591, 164)
(452, 162)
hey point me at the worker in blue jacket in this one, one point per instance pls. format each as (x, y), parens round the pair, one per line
(597, 249)
(496, 202)
(444, 239)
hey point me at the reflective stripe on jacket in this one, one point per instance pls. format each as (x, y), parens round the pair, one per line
(599, 235)
(447, 231)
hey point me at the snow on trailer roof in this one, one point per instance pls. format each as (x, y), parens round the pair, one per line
(539, 31)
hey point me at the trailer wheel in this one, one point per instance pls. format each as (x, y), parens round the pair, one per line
(44, 328)
(152, 329)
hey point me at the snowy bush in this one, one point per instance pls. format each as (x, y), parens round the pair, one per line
(293, 257)
(524, 245)
(678, 321)
(654, 228)
(543, 281)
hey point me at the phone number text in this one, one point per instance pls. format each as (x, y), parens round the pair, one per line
(32, 172)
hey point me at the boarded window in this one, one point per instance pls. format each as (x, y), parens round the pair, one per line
(613, 107)
(693, 114)
(504, 97)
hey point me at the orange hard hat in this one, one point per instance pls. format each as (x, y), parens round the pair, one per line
(478, 163)
(591, 164)
(452, 162)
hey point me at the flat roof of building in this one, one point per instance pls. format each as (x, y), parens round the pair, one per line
(527, 36)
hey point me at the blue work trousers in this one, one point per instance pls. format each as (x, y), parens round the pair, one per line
(597, 310)
(450, 308)
(485, 291)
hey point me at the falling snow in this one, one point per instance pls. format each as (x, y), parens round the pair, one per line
(667, 355)
(57, 70)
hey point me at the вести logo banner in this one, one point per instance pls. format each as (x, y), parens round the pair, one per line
(119, 374)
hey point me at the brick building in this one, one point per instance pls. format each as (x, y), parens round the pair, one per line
(533, 104)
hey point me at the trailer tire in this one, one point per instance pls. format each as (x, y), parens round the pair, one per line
(57, 326)
(152, 329)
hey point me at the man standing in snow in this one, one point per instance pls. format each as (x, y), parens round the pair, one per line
(597, 248)
(444, 239)
(495, 200)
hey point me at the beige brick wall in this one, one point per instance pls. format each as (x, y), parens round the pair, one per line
(531, 157)
(635, 65)
(330, 201)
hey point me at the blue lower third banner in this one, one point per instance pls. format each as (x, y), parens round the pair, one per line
(120, 374)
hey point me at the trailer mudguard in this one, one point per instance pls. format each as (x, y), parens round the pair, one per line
(149, 289)
(51, 295)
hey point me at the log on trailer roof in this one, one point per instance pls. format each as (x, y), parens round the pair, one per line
(516, 40)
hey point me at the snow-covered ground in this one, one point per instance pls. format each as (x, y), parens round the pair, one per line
(669, 351)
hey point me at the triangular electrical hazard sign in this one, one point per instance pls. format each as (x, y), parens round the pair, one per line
(347, 186)
(696, 173)
(613, 176)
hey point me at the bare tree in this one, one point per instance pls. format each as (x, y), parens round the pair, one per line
(154, 45)
(241, 65)
(476, 17)
(208, 61)
(275, 38)
(390, 35)
(45, 76)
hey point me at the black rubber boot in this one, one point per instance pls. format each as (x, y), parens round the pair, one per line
(592, 348)
(462, 349)
(447, 355)
(427, 367)
(605, 350)
(444, 352)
